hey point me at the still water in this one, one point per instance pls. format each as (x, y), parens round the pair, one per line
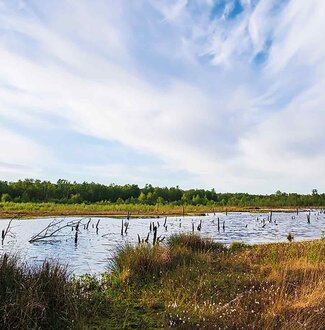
(94, 249)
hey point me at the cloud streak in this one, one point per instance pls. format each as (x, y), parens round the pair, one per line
(221, 91)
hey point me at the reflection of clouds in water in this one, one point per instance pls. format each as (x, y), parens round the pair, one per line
(93, 252)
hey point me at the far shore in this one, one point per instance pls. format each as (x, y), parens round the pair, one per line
(148, 211)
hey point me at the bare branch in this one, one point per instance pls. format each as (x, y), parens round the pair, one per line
(53, 229)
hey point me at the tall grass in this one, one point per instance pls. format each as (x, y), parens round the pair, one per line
(202, 285)
(35, 297)
(195, 243)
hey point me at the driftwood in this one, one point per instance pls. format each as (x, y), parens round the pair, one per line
(199, 226)
(165, 224)
(7, 231)
(156, 240)
(122, 227)
(97, 224)
(126, 225)
(155, 228)
(87, 225)
(54, 228)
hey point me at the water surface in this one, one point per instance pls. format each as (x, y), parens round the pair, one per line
(93, 250)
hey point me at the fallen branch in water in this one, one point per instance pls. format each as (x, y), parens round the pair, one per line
(53, 229)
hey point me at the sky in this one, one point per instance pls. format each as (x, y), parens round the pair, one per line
(224, 94)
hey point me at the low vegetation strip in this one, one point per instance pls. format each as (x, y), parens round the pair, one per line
(188, 282)
(30, 209)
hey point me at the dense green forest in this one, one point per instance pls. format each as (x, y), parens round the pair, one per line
(63, 191)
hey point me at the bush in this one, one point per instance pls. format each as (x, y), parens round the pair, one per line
(6, 198)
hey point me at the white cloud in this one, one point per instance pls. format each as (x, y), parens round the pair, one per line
(246, 128)
(20, 156)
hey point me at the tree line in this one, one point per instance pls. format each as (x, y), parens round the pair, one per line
(63, 191)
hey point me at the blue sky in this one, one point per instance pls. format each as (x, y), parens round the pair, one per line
(197, 93)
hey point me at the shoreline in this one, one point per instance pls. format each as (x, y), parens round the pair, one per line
(171, 212)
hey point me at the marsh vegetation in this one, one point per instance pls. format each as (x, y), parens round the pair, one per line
(188, 282)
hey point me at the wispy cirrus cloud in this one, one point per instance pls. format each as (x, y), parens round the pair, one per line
(220, 93)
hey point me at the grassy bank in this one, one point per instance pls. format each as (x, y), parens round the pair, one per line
(10, 209)
(187, 283)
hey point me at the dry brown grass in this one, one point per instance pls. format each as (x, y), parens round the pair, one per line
(274, 286)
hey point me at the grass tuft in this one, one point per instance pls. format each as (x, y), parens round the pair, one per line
(140, 263)
(195, 242)
(35, 297)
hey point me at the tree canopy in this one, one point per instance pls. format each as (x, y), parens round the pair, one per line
(63, 191)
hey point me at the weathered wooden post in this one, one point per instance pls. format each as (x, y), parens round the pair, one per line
(126, 225)
(154, 235)
(87, 226)
(147, 239)
(76, 237)
(199, 226)
(290, 237)
(97, 224)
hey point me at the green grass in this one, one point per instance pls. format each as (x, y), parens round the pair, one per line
(9, 209)
(187, 283)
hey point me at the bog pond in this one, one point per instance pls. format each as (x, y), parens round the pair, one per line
(95, 246)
